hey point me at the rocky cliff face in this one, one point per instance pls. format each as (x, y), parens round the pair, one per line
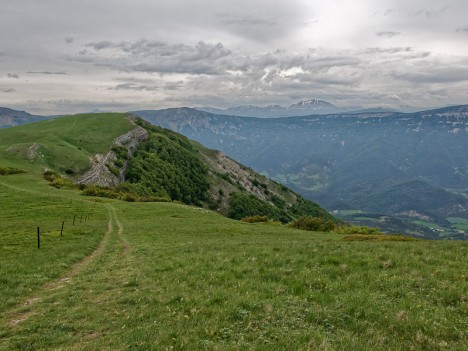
(102, 164)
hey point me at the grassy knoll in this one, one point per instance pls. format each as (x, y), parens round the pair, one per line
(61, 144)
(174, 277)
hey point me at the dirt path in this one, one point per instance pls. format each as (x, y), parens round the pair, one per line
(120, 230)
(26, 309)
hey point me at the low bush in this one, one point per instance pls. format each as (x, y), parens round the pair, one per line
(110, 193)
(255, 219)
(313, 224)
(57, 181)
(357, 229)
(9, 170)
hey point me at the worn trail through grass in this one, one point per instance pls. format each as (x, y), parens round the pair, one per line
(27, 309)
(96, 269)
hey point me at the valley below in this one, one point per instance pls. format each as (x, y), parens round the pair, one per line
(402, 172)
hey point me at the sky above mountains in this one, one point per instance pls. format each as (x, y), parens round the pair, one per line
(63, 56)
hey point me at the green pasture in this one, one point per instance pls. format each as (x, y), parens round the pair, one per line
(173, 277)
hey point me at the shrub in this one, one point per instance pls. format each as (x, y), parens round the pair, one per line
(113, 170)
(255, 219)
(119, 163)
(357, 229)
(57, 181)
(312, 224)
(102, 192)
(10, 170)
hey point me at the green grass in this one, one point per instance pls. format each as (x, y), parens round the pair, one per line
(176, 277)
(350, 212)
(62, 143)
(24, 267)
(459, 223)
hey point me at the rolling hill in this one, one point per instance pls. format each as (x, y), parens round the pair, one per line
(409, 167)
(140, 161)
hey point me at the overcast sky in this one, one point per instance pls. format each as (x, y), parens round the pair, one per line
(68, 56)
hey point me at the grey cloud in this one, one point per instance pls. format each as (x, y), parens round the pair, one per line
(69, 40)
(174, 85)
(135, 87)
(160, 57)
(102, 45)
(463, 29)
(387, 34)
(388, 12)
(429, 13)
(324, 80)
(48, 73)
(435, 75)
(395, 50)
(7, 90)
(246, 20)
(418, 55)
(13, 75)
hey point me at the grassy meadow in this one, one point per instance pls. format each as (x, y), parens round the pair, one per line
(164, 276)
(61, 144)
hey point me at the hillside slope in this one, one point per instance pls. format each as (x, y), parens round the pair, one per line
(354, 161)
(140, 161)
(64, 144)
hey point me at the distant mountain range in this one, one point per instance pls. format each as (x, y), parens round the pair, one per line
(399, 171)
(303, 108)
(10, 117)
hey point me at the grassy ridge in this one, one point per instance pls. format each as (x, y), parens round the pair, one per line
(180, 277)
(61, 144)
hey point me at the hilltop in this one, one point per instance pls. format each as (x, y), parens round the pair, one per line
(130, 159)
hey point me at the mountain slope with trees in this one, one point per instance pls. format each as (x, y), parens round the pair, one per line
(351, 162)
